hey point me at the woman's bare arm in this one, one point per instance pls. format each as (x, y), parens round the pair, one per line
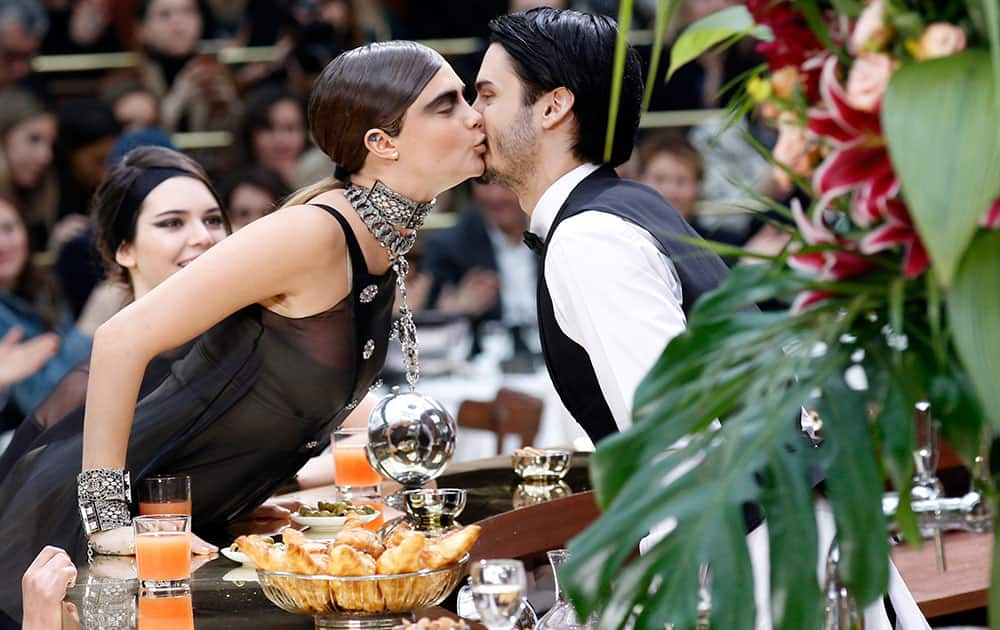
(295, 258)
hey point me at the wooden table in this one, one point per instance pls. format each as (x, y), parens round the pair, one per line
(962, 587)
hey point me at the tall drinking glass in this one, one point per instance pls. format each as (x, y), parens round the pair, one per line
(352, 473)
(498, 590)
(163, 552)
(165, 495)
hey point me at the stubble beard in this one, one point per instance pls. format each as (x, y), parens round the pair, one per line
(516, 149)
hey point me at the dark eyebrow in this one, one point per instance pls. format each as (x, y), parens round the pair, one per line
(184, 212)
(484, 83)
(448, 98)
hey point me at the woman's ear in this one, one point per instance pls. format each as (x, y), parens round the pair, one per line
(557, 106)
(381, 145)
(125, 256)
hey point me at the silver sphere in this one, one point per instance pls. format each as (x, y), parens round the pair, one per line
(411, 437)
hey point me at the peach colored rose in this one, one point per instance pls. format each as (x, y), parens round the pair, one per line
(867, 81)
(939, 40)
(871, 32)
(793, 150)
(783, 82)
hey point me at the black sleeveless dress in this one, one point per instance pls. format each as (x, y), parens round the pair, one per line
(255, 397)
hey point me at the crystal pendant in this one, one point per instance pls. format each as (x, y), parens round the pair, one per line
(562, 615)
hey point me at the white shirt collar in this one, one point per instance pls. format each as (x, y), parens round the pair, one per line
(555, 196)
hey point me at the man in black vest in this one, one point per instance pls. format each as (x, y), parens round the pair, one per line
(616, 275)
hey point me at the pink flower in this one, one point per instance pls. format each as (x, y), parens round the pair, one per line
(898, 230)
(939, 40)
(860, 160)
(868, 80)
(871, 31)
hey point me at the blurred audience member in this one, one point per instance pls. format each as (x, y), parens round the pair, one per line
(133, 104)
(356, 21)
(480, 267)
(526, 5)
(23, 24)
(698, 85)
(78, 265)
(28, 133)
(314, 47)
(87, 132)
(20, 359)
(243, 22)
(195, 90)
(79, 26)
(673, 167)
(251, 193)
(29, 301)
(272, 131)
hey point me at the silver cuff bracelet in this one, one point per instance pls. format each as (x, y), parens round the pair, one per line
(104, 495)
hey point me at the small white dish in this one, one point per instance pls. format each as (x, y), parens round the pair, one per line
(330, 523)
(236, 556)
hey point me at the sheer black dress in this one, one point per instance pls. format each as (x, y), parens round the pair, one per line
(255, 397)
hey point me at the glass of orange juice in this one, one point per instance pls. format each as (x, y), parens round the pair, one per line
(163, 552)
(172, 612)
(352, 473)
(165, 495)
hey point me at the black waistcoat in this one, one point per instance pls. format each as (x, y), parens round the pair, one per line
(698, 269)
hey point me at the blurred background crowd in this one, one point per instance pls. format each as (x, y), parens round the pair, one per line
(227, 81)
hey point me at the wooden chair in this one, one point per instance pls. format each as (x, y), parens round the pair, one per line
(511, 413)
(527, 533)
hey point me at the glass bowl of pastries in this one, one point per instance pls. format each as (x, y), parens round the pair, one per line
(359, 580)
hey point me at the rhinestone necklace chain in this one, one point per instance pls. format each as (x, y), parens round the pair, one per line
(381, 209)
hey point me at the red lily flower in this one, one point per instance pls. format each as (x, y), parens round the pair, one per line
(837, 262)
(860, 160)
(898, 230)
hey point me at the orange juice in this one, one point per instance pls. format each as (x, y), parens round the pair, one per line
(351, 468)
(166, 613)
(165, 507)
(163, 555)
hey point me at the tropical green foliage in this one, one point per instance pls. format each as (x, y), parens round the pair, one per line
(872, 345)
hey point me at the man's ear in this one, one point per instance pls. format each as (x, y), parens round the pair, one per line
(125, 256)
(557, 105)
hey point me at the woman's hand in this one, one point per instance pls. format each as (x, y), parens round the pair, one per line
(18, 361)
(269, 518)
(121, 542)
(44, 586)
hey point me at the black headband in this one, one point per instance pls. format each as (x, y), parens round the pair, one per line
(137, 192)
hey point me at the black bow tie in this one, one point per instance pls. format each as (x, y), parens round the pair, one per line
(534, 242)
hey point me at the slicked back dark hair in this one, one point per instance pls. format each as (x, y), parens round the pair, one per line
(554, 48)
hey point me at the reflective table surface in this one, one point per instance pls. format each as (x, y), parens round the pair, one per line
(226, 595)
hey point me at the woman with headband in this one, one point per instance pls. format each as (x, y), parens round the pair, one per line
(143, 240)
(293, 314)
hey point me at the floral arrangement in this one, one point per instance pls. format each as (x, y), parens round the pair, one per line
(887, 115)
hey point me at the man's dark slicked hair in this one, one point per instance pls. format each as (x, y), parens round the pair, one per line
(554, 48)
